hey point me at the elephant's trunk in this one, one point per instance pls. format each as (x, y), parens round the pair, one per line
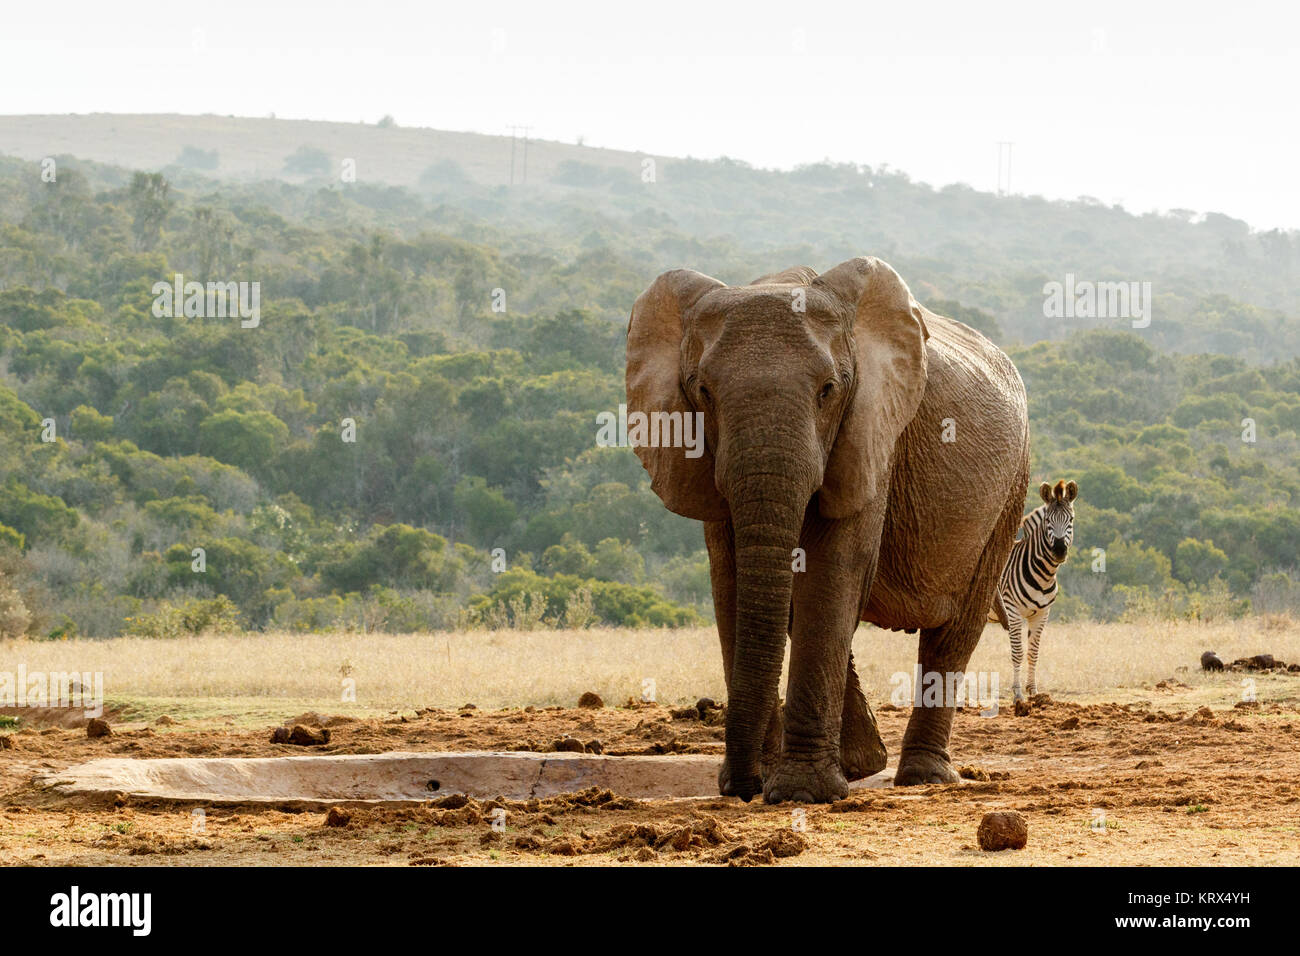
(767, 504)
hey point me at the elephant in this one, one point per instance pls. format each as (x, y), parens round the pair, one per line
(864, 459)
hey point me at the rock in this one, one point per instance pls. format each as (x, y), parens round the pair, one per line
(304, 736)
(711, 712)
(567, 745)
(591, 701)
(1210, 662)
(6, 742)
(1002, 830)
(338, 817)
(1070, 723)
(164, 721)
(280, 735)
(594, 747)
(972, 773)
(98, 727)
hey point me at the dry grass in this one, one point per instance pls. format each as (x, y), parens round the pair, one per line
(242, 674)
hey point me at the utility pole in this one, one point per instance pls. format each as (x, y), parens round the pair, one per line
(514, 134)
(1004, 148)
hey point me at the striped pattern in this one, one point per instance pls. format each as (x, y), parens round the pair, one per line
(1028, 585)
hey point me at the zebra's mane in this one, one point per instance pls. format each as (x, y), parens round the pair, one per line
(1031, 521)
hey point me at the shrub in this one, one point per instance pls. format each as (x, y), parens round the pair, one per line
(14, 616)
(196, 616)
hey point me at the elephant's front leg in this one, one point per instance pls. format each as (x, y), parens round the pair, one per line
(827, 598)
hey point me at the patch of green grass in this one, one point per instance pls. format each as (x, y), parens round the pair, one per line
(1198, 808)
(1106, 824)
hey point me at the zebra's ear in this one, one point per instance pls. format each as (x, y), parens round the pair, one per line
(1045, 492)
(1071, 490)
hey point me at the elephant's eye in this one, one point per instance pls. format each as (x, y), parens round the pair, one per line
(705, 397)
(827, 389)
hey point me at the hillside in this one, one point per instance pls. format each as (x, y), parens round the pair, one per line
(384, 449)
(256, 148)
(1215, 284)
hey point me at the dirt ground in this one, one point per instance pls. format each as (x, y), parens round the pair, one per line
(1148, 783)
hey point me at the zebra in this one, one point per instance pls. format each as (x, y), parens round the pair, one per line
(1028, 585)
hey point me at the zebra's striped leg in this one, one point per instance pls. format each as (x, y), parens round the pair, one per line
(1017, 624)
(1035, 633)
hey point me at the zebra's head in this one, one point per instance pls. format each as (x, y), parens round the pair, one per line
(1057, 525)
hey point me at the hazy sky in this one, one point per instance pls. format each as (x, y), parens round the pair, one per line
(1155, 106)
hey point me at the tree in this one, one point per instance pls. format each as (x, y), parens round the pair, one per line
(488, 514)
(150, 206)
(193, 157)
(90, 426)
(248, 440)
(307, 161)
(1197, 562)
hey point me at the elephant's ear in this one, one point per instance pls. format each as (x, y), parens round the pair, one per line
(654, 348)
(889, 337)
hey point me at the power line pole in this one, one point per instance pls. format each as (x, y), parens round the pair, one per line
(514, 134)
(1004, 148)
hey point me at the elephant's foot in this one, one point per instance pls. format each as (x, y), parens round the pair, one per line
(746, 786)
(924, 766)
(806, 782)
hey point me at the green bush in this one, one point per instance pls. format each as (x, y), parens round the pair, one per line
(217, 615)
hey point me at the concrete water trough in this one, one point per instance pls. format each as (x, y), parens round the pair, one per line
(394, 777)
